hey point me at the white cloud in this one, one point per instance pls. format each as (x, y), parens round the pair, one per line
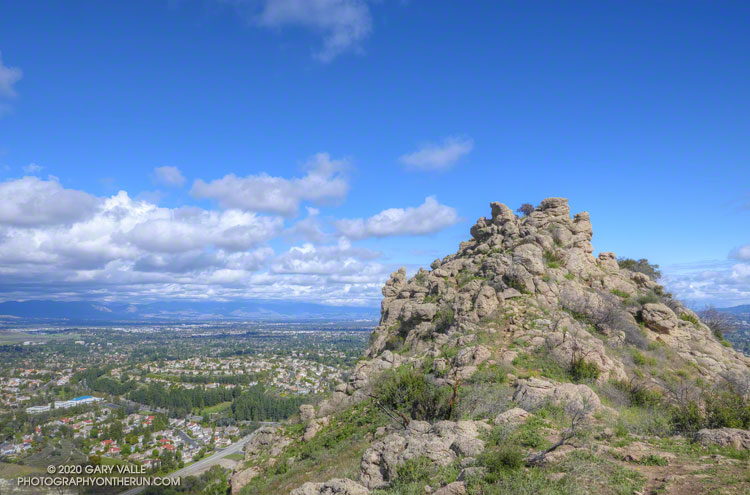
(717, 283)
(8, 77)
(741, 253)
(263, 193)
(438, 156)
(31, 201)
(428, 218)
(32, 168)
(169, 176)
(127, 249)
(338, 259)
(309, 228)
(344, 24)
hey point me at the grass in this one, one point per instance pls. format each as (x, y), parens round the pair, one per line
(234, 457)
(217, 408)
(335, 452)
(551, 259)
(688, 317)
(583, 473)
(540, 363)
(11, 471)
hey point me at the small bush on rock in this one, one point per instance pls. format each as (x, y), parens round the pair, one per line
(584, 371)
(411, 393)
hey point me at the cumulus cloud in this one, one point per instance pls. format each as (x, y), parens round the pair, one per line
(338, 259)
(309, 228)
(129, 249)
(427, 218)
(438, 156)
(741, 253)
(8, 77)
(343, 24)
(324, 181)
(32, 168)
(31, 201)
(716, 283)
(169, 176)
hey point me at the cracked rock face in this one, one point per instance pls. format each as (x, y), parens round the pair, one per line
(534, 393)
(543, 260)
(442, 443)
(739, 439)
(337, 486)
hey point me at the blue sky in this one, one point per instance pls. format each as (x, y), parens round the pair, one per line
(148, 133)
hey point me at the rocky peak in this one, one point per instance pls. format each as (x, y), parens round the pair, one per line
(535, 278)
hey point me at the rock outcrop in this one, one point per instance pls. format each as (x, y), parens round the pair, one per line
(441, 443)
(337, 486)
(526, 288)
(733, 437)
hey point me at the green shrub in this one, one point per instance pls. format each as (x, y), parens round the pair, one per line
(416, 470)
(648, 297)
(507, 456)
(654, 460)
(638, 394)
(620, 293)
(688, 317)
(414, 395)
(727, 410)
(444, 319)
(687, 418)
(584, 371)
(552, 259)
(642, 266)
(638, 358)
(540, 362)
(570, 276)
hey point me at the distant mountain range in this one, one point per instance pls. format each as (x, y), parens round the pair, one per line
(180, 310)
(737, 310)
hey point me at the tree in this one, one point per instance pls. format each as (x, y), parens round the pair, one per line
(526, 209)
(720, 323)
(642, 266)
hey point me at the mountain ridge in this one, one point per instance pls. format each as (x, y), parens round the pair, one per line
(521, 349)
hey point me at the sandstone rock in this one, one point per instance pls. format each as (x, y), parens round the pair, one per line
(533, 393)
(734, 437)
(242, 478)
(608, 261)
(337, 486)
(659, 318)
(268, 440)
(455, 488)
(515, 416)
(306, 412)
(530, 257)
(441, 443)
(486, 301)
(313, 427)
(510, 293)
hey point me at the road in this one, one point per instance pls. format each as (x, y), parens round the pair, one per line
(204, 463)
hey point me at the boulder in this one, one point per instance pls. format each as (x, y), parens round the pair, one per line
(441, 443)
(242, 478)
(313, 427)
(486, 301)
(514, 417)
(734, 437)
(659, 318)
(306, 412)
(268, 440)
(455, 488)
(336, 486)
(534, 393)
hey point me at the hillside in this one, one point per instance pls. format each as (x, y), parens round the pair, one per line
(522, 364)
